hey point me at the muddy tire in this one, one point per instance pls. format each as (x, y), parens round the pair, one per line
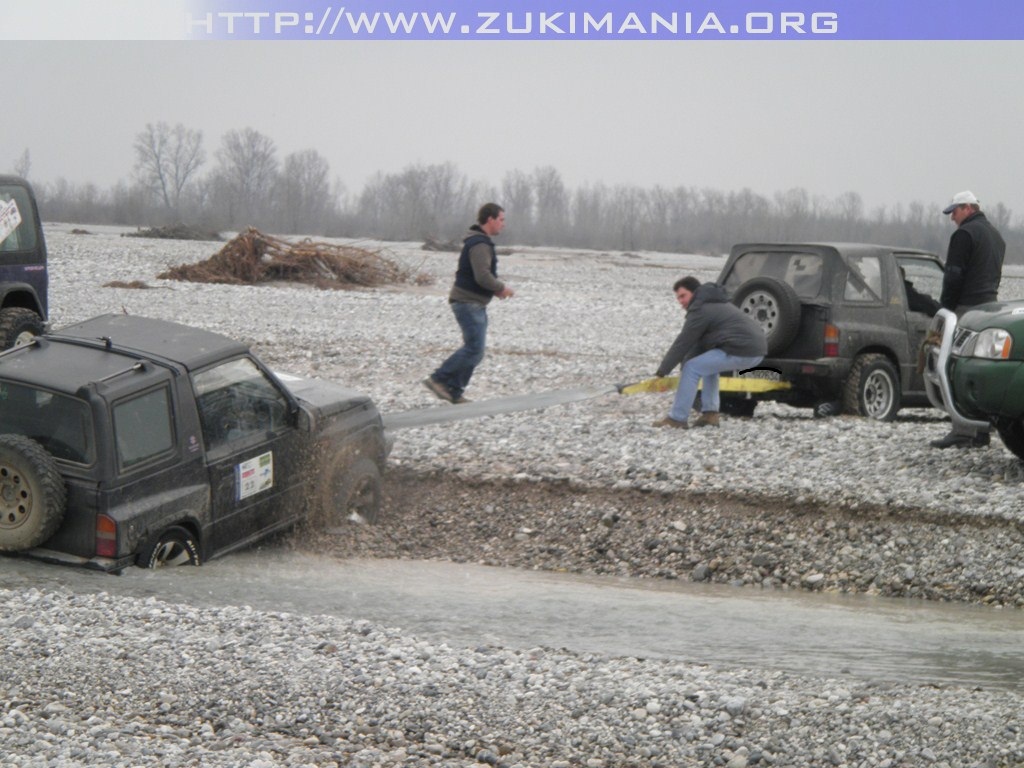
(352, 492)
(1012, 434)
(776, 308)
(19, 326)
(175, 546)
(32, 494)
(872, 388)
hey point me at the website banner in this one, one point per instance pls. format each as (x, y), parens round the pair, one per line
(494, 20)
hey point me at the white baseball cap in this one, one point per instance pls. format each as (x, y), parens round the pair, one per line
(960, 198)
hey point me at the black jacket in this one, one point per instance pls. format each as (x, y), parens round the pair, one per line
(713, 323)
(974, 264)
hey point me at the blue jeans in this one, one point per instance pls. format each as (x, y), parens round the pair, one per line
(456, 371)
(705, 366)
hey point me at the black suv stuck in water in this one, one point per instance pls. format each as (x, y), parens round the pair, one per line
(844, 323)
(130, 440)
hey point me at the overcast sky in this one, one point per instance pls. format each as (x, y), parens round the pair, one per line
(895, 122)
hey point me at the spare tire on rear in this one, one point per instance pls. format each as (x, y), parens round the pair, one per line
(776, 308)
(32, 494)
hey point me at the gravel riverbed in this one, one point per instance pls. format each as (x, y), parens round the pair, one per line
(781, 500)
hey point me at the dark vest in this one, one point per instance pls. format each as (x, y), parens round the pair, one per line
(981, 283)
(464, 274)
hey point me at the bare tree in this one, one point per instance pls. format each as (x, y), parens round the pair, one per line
(246, 174)
(517, 199)
(167, 159)
(304, 192)
(23, 165)
(552, 205)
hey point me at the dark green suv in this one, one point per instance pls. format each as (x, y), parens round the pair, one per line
(976, 372)
(843, 324)
(23, 274)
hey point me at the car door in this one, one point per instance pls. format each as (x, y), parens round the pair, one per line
(922, 275)
(253, 451)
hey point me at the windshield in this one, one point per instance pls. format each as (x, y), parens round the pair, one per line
(61, 424)
(17, 225)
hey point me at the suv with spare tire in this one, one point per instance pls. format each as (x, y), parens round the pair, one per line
(23, 273)
(127, 440)
(844, 323)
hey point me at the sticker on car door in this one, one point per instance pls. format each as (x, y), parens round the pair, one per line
(255, 475)
(10, 218)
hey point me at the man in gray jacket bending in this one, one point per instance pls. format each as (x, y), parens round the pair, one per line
(716, 337)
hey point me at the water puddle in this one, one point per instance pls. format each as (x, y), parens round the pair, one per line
(468, 605)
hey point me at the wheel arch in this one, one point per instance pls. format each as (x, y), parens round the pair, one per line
(189, 523)
(20, 296)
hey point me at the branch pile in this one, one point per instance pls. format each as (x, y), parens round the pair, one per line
(175, 232)
(254, 257)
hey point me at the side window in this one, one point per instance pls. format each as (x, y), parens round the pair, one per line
(864, 281)
(17, 227)
(143, 427)
(925, 275)
(238, 404)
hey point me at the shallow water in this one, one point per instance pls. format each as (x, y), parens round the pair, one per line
(849, 636)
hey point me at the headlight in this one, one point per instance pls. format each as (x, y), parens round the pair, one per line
(993, 344)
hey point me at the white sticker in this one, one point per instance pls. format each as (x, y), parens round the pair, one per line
(10, 218)
(1018, 311)
(255, 475)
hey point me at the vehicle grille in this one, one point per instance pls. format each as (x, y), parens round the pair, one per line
(961, 338)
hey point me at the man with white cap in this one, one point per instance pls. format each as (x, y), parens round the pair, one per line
(974, 267)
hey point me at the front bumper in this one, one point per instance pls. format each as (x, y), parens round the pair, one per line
(937, 369)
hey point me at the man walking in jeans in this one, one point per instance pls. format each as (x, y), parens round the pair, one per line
(476, 283)
(716, 337)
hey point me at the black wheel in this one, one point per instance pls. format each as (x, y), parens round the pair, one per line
(19, 326)
(738, 406)
(872, 388)
(776, 308)
(32, 494)
(1012, 433)
(175, 546)
(351, 492)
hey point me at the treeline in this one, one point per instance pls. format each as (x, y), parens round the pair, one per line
(248, 184)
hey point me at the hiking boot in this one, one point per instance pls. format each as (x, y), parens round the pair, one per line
(460, 400)
(668, 421)
(438, 389)
(707, 419)
(979, 440)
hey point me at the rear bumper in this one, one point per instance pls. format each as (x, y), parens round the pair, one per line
(803, 382)
(107, 564)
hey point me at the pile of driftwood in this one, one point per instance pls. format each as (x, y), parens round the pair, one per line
(175, 232)
(254, 257)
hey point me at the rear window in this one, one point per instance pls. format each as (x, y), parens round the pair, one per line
(803, 271)
(61, 424)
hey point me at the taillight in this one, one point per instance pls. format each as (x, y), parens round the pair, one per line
(831, 341)
(106, 536)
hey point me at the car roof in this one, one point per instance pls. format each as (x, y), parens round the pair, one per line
(160, 340)
(839, 246)
(102, 348)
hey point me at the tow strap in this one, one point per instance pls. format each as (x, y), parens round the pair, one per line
(442, 414)
(725, 384)
(423, 417)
